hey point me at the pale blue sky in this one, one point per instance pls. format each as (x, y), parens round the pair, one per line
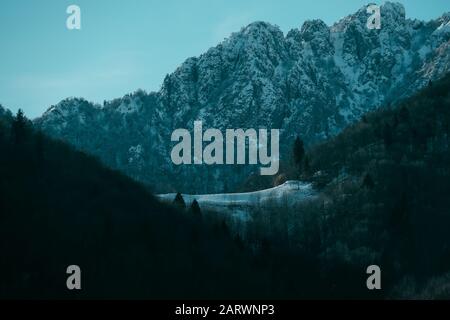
(126, 45)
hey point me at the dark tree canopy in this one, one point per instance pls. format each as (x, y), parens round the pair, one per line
(19, 127)
(298, 151)
(179, 201)
(195, 209)
(368, 181)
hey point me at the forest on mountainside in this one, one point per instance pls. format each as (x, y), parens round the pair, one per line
(385, 184)
(384, 200)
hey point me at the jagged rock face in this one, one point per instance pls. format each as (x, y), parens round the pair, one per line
(312, 82)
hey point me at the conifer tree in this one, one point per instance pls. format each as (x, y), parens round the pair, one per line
(195, 210)
(298, 153)
(368, 181)
(18, 127)
(179, 201)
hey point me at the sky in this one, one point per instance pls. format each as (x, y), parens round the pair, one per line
(128, 45)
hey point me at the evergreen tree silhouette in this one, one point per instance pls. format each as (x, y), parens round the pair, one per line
(179, 201)
(298, 153)
(195, 210)
(368, 182)
(169, 88)
(306, 164)
(18, 127)
(39, 137)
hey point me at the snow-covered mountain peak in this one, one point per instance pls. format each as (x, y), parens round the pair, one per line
(444, 25)
(312, 28)
(312, 82)
(393, 11)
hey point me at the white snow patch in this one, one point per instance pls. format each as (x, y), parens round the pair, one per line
(130, 107)
(239, 204)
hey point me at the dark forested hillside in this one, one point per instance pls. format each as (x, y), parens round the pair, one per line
(386, 186)
(59, 207)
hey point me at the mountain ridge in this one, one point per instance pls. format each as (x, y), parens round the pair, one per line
(312, 82)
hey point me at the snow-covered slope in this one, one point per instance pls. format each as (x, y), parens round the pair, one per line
(312, 82)
(288, 194)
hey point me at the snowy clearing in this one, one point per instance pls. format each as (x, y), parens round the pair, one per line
(288, 194)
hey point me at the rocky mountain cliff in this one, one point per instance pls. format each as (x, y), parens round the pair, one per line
(311, 82)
